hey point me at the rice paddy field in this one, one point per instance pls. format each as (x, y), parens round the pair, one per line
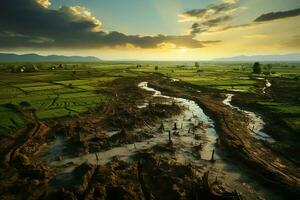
(166, 121)
(57, 93)
(283, 99)
(52, 94)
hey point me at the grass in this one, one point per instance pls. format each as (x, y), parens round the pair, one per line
(10, 119)
(53, 94)
(238, 77)
(281, 107)
(54, 113)
(67, 92)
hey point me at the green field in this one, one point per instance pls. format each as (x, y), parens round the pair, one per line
(79, 87)
(52, 93)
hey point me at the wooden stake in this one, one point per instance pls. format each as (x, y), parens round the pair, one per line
(212, 156)
(97, 157)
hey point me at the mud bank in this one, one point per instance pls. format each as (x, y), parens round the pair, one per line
(150, 142)
(264, 163)
(25, 172)
(256, 123)
(191, 141)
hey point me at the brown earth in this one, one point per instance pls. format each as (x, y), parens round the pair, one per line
(24, 175)
(233, 127)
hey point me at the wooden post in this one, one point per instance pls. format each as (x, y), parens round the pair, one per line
(170, 139)
(161, 128)
(212, 156)
(175, 126)
(97, 157)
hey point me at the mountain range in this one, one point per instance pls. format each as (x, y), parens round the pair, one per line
(8, 57)
(284, 57)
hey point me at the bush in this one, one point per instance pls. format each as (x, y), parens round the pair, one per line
(256, 68)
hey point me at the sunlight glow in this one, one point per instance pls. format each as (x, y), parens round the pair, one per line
(183, 50)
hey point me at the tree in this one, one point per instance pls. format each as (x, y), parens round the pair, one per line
(256, 68)
(197, 65)
(156, 67)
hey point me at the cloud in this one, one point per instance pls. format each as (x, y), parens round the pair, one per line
(207, 13)
(32, 24)
(44, 3)
(256, 36)
(293, 42)
(278, 15)
(211, 17)
(216, 18)
(238, 26)
(265, 18)
(166, 45)
(230, 1)
(78, 13)
(196, 28)
(207, 25)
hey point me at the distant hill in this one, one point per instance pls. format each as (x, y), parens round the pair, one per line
(6, 57)
(285, 57)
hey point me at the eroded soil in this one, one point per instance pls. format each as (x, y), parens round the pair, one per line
(131, 150)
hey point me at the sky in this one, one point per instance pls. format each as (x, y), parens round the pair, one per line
(150, 29)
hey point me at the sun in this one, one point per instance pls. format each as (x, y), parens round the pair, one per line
(183, 50)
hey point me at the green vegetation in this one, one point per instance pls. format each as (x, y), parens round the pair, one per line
(53, 90)
(11, 119)
(256, 68)
(283, 98)
(58, 90)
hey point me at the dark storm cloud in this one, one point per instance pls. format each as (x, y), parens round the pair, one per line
(278, 15)
(25, 23)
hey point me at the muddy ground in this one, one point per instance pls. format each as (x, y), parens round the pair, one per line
(269, 164)
(26, 156)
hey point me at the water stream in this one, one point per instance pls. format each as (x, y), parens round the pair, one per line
(184, 138)
(256, 124)
(194, 128)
